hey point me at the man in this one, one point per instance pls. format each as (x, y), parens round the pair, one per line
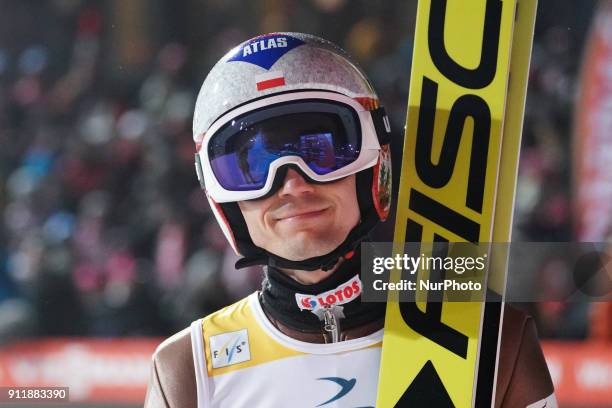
(293, 154)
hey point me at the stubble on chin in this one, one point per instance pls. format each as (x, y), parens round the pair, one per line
(304, 246)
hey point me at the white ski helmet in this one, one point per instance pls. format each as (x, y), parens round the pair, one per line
(294, 81)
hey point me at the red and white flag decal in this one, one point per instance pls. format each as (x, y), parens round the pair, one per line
(270, 79)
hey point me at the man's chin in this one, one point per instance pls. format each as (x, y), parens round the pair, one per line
(299, 250)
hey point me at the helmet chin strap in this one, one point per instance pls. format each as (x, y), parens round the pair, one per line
(254, 255)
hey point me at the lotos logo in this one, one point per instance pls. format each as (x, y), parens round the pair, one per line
(344, 293)
(265, 50)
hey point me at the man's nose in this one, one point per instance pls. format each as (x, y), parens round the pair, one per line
(295, 184)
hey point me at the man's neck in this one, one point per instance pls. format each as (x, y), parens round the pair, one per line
(282, 288)
(310, 277)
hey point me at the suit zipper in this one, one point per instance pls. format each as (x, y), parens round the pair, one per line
(331, 321)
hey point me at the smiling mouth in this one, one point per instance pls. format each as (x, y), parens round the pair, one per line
(301, 215)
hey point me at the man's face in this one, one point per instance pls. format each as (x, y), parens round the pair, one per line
(303, 220)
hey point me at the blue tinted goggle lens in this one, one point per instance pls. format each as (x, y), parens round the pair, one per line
(325, 135)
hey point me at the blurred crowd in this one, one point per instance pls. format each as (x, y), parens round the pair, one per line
(104, 229)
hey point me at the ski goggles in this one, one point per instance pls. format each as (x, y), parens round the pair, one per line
(327, 135)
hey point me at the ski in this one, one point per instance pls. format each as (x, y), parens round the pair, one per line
(457, 184)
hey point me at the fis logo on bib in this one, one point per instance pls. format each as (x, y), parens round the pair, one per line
(230, 348)
(265, 50)
(344, 293)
